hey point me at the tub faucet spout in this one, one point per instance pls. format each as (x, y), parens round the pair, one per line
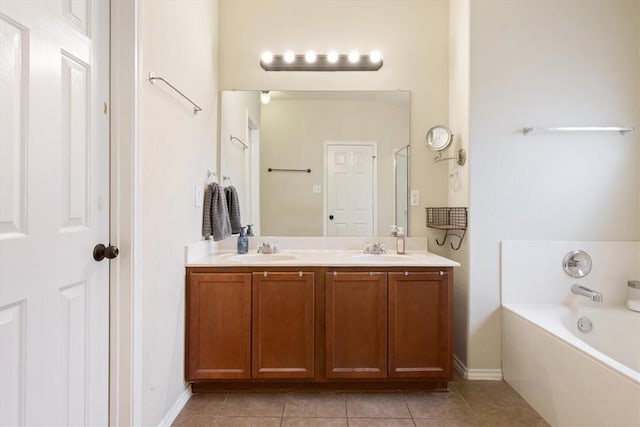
(594, 296)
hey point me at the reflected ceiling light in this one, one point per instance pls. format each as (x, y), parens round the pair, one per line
(289, 57)
(311, 61)
(265, 97)
(332, 57)
(267, 57)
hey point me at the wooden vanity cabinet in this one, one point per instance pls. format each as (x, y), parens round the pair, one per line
(325, 328)
(250, 325)
(283, 325)
(218, 333)
(356, 325)
(419, 325)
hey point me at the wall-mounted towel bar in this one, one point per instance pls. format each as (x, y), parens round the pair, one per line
(152, 77)
(289, 170)
(620, 129)
(235, 138)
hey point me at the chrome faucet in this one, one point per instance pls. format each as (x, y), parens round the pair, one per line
(595, 296)
(375, 248)
(268, 248)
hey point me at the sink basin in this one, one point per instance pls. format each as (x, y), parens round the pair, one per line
(263, 257)
(382, 258)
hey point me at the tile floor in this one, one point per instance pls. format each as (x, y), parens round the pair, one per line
(469, 403)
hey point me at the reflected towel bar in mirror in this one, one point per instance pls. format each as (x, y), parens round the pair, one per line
(289, 170)
(235, 138)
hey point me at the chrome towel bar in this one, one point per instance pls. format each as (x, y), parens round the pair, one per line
(152, 77)
(620, 129)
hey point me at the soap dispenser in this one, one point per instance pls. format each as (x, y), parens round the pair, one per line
(243, 241)
(394, 230)
(250, 230)
(400, 241)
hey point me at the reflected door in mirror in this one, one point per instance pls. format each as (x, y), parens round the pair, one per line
(350, 189)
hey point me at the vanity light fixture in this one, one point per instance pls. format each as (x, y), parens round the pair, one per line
(289, 57)
(332, 57)
(267, 57)
(311, 61)
(310, 57)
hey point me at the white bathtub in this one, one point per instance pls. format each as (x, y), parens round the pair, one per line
(573, 378)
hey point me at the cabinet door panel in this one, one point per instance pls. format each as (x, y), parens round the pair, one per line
(283, 325)
(356, 325)
(419, 343)
(218, 326)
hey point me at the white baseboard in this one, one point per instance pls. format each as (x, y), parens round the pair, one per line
(476, 374)
(484, 374)
(176, 408)
(459, 366)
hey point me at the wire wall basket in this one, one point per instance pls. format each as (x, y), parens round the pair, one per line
(448, 219)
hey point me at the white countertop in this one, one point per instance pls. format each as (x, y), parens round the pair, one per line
(322, 258)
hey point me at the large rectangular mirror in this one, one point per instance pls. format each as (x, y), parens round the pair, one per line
(317, 163)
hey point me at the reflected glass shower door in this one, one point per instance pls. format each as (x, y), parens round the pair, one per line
(401, 160)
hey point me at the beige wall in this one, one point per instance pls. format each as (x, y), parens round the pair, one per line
(177, 147)
(293, 134)
(412, 35)
(459, 44)
(546, 63)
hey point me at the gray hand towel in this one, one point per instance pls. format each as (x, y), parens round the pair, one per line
(215, 215)
(206, 212)
(233, 204)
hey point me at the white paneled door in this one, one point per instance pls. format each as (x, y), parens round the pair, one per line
(350, 189)
(54, 208)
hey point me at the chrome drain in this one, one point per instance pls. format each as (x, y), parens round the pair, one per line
(585, 324)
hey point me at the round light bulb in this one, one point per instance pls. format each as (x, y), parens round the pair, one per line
(265, 97)
(354, 56)
(310, 57)
(375, 56)
(267, 57)
(332, 57)
(289, 57)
